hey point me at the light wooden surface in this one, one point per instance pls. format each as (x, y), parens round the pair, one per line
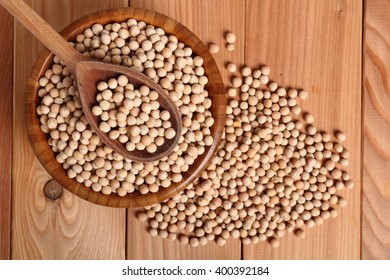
(325, 60)
(69, 228)
(6, 27)
(189, 13)
(376, 182)
(315, 45)
(46, 34)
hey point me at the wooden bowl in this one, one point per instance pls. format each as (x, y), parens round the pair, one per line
(45, 154)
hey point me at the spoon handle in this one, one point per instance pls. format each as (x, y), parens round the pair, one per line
(43, 31)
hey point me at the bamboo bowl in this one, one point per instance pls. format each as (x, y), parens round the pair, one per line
(45, 154)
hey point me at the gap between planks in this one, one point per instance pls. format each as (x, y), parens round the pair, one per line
(364, 11)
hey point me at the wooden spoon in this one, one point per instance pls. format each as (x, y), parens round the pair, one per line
(88, 73)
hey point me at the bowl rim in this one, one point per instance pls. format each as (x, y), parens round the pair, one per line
(46, 155)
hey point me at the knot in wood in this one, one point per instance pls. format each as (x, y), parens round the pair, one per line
(53, 190)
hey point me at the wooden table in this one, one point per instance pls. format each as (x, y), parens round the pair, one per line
(316, 45)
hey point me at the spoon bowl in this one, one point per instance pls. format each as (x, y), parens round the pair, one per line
(89, 73)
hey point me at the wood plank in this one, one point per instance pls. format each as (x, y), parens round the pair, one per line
(208, 20)
(376, 179)
(6, 79)
(69, 228)
(140, 245)
(315, 45)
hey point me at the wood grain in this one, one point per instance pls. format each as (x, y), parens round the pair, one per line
(376, 183)
(24, 14)
(6, 79)
(69, 228)
(315, 45)
(140, 245)
(208, 20)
